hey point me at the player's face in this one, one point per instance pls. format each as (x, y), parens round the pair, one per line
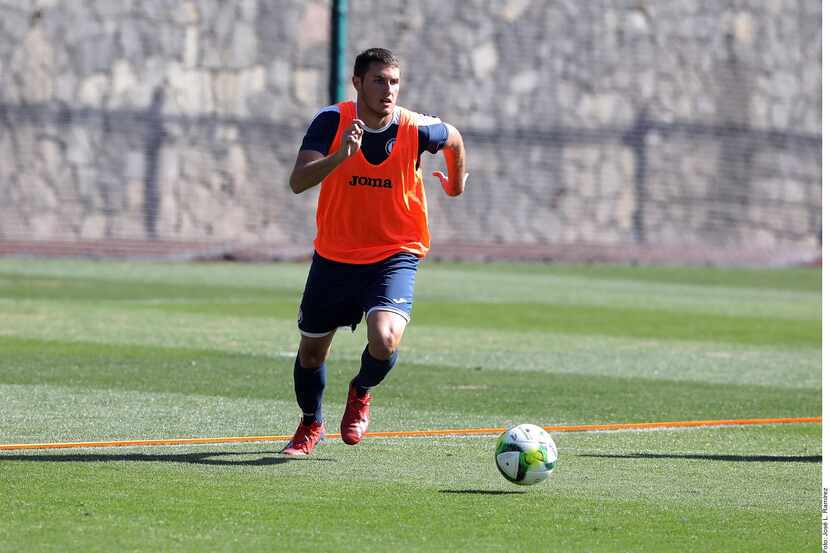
(378, 89)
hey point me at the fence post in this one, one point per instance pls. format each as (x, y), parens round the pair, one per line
(152, 146)
(635, 138)
(339, 35)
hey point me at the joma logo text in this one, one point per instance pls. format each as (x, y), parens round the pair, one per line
(368, 181)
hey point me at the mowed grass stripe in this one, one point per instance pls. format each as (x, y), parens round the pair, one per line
(804, 279)
(567, 319)
(431, 433)
(273, 275)
(501, 393)
(560, 318)
(389, 516)
(23, 287)
(625, 322)
(437, 286)
(564, 319)
(551, 288)
(508, 349)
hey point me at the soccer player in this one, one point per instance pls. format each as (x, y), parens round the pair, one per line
(371, 233)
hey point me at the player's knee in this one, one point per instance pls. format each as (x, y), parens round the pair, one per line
(385, 332)
(384, 344)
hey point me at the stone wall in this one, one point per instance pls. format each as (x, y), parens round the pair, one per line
(613, 122)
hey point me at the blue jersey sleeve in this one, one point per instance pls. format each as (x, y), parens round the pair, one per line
(432, 133)
(321, 131)
(432, 136)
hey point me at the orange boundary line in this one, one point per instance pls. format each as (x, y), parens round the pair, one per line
(421, 433)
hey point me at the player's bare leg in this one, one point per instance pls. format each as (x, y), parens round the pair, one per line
(385, 330)
(384, 333)
(313, 351)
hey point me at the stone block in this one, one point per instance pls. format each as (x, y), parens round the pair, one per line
(34, 64)
(232, 89)
(37, 193)
(14, 25)
(44, 225)
(169, 169)
(511, 10)
(524, 82)
(93, 227)
(134, 195)
(113, 9)
(236, 163)
(314, 25)
(192, 162)
(624, 207)
(80, 147)
(130, 42)
(95, 90)
(127, 226)
(185, 13)
(485, 60)
(95, 53)
(134, 165)
(66, 87)
(278, 75)
(225, 88)
(190, 55)
(169, 221)
(189, 90)
(252, 80)
(243, 47)
(51, 164)
(123, 85)
(307, 86)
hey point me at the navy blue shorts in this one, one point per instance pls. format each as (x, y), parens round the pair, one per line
(339, 294)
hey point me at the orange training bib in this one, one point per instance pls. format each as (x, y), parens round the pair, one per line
(366, 212)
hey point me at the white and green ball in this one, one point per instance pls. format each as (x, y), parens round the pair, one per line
(526, 454)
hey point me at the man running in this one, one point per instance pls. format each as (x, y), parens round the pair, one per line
(372, 232)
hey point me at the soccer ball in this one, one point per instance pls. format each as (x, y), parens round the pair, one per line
(526, 454)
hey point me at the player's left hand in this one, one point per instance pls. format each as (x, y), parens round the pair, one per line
(445, 182)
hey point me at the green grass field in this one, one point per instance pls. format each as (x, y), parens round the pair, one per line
(108, 350)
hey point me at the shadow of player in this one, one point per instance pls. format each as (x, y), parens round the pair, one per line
(710, 457)
(217, 458)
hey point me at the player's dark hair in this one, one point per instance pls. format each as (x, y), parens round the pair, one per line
(373, 55)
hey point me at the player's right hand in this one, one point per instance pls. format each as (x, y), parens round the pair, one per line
(352, 138)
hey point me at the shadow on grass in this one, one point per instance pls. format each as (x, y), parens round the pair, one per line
(484, 492)
(219, 458)
(706, 457)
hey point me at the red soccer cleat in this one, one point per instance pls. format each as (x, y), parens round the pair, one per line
(355, 418)
(305, 439)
